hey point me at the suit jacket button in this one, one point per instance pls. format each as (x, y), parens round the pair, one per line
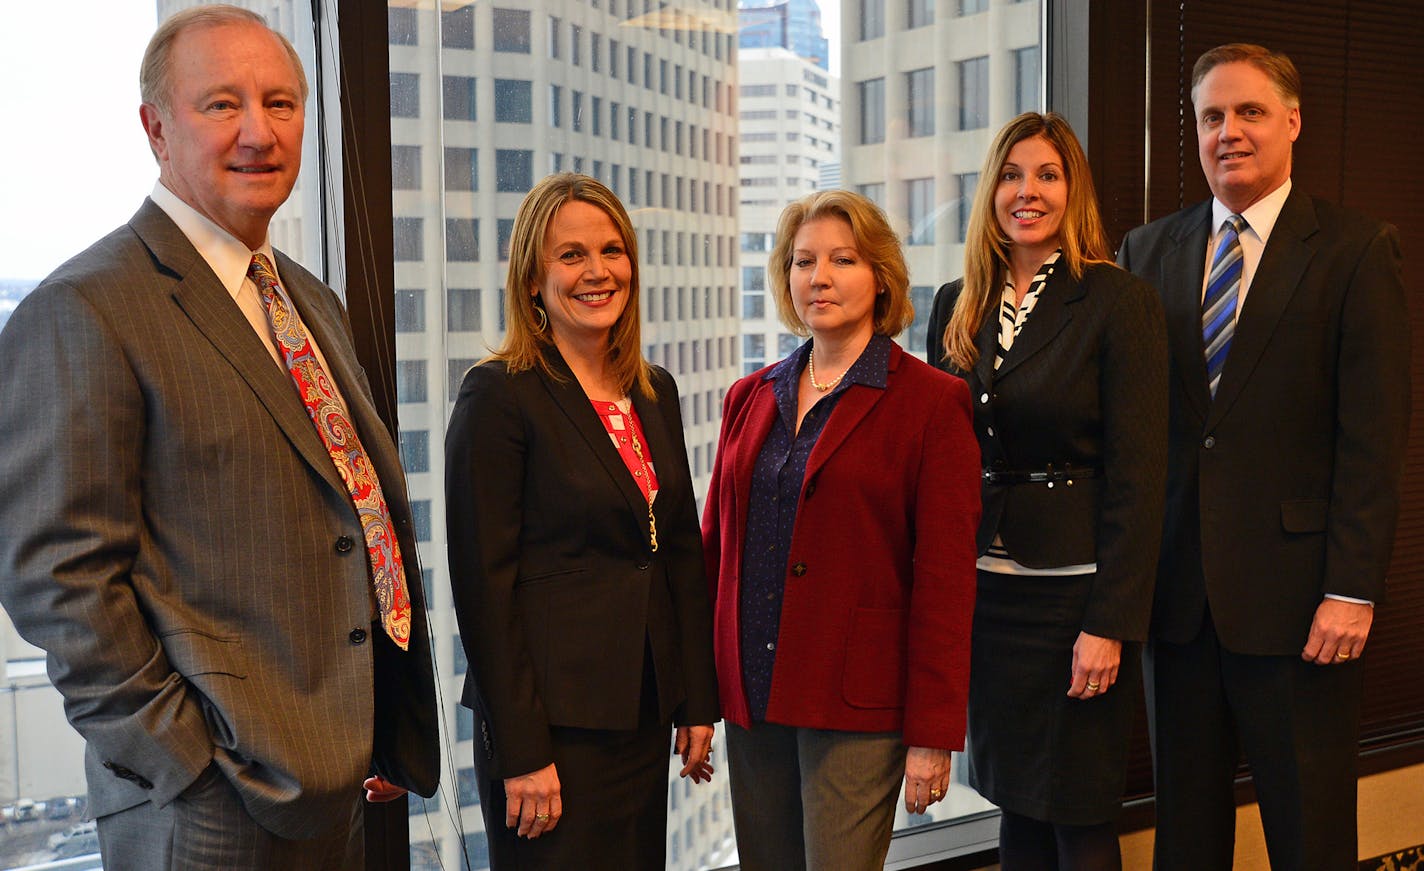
(810, 488)
(643, 566)
(344, 544)
(357, 636)
(799, 569)
(1209, 443)
(983, 399)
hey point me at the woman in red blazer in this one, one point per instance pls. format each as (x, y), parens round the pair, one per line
(839, 538)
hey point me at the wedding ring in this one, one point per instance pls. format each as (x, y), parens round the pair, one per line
(1344, 654)
(543, 818)
(1093, 687)
(934, 793)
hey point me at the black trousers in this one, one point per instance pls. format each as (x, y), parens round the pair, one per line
(1298, 724)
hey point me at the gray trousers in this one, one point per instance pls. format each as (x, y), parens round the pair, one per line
(206, 827)
(813, 799)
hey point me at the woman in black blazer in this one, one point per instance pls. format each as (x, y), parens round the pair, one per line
(1066, 360)
(575, 554)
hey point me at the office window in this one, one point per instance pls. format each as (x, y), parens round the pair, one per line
(513, 101)
(409, 237)
(405, 167)
(410, 310)
(576, 110)
(503, 232)
(462, 239)
(753, 278)
(464, 723)
(555, 26)
(461, 169)
(457, 369)
(556, 97)
(405, 95)
(1026, 79)
(968, 182)
(786, 343)
(922, 298)
(970, 7)
(872, 19)
(919, 14)
(614, 113)
(458, 93)
(872, 110)
(614, 50)
(410, 381)
(919, 87)
(402, 26)
(468, 789)
(919, 196)
(420, 518)
(457, 27)
(514, 170)
(415, 450)
(463, 310)
(511, 30)
(575, 45)
(973, 93)
(753, 306)
(595, 52)
(596, 115)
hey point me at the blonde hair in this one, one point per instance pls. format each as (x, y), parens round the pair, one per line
(874, 239)
(986, 247)
(527, 336)
(1277, 67)
(155, 83)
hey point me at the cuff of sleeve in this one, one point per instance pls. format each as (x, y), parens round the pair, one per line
(1349, 599)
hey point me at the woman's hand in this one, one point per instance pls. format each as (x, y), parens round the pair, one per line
(926, 777)
(1095, 661)
(694, 745)
(532, 802)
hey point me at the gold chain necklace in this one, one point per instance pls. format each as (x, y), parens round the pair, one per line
(811, 370)
(642, 461)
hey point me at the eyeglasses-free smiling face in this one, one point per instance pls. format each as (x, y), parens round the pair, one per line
(1244, 133)
(1030, 197)
(229, 143)
(586, 273)
(832, 283)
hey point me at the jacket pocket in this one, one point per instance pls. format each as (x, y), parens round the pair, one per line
(1304, 515)
(192, 652)
(874, 675)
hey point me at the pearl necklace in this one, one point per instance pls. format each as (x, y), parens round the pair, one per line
(811, 370)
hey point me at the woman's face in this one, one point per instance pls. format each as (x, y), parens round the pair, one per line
(833, 285)
(1031, 196)
(587, 273)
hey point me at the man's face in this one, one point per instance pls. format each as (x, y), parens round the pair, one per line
(1244, 134)
(230, 142)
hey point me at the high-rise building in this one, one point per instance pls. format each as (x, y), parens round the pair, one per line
(924, 95)
(792, 24)
(790, 132)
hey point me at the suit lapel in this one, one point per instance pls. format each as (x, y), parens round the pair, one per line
(575, 405)
(1049, 316)
(1183, 271)
(987, 341)
(1283, 264)
(212, 310)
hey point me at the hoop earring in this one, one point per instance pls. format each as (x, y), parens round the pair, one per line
(542, 316)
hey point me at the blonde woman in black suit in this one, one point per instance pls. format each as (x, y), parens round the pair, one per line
(1066, 359)
(575, 554)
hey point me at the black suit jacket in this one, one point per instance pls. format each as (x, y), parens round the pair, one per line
(1084, 385)
(556, 588)
(1285, 487)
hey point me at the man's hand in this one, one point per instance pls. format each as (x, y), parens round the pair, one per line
(926, 777)
(1338, 632)
(533, 802)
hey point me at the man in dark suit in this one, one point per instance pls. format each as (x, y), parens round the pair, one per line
(205, 523)
(1289, 408)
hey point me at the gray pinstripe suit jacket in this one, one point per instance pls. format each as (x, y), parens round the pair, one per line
(175, 537)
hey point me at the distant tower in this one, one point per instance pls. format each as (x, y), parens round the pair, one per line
(790, 24)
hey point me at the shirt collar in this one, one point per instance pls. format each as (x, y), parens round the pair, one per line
(224, 253)
(1260, 216)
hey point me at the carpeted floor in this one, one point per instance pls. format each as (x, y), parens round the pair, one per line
(1411, 859)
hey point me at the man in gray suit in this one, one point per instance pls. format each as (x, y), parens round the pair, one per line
(204, 522)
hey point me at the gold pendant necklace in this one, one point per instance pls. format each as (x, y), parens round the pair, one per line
(811, 370)
(638, 449)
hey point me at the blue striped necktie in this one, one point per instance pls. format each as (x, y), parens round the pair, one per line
(1219, 302)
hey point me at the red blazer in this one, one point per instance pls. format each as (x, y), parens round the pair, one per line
(880, 579)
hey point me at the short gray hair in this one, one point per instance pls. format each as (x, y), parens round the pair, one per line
(154, 73)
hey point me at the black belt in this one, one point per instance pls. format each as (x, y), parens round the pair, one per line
(1046, 475)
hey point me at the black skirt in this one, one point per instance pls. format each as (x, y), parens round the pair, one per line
(1033, 750)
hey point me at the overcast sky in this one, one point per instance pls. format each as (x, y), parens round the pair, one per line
(73, 159)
